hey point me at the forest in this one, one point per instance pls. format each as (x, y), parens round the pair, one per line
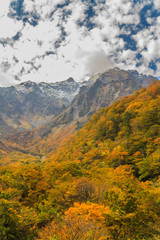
(101, 183)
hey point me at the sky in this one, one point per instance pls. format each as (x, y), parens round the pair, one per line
(52, 40)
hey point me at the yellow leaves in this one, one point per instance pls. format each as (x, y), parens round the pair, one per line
(17, 158)
(116, 190)
(105, 238)
(28, 216)
(10, 209)
(130, 216)
(82, 221)
(91, 170)
(135, 106)
(90, 211)
(157, 141)
(118, 156)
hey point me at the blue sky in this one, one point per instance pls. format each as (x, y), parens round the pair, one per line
(51, 40)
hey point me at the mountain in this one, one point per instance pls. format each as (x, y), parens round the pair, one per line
(126, 132)
(100, 91)
(104, 89)
(101, 183)
(28, 104)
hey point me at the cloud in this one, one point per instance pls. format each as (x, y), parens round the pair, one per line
(147, 44)
(42, 8)
(4, 7)
(76, 38)
(157, 4)
(6, 80)
(9, 27)
(98, 62)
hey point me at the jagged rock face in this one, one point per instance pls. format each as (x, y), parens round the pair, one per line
(100, 91)
(65, 90)
(28, 104)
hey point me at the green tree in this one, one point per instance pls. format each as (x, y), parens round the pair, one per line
(9, 222)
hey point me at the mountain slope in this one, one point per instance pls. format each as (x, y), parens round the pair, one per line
(127, 132)
(28, 104)
(108, 87)
(102, 183)
(100, 91)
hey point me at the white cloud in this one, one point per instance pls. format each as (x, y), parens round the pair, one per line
(44, 31)
(80, 51)
(9, 27)
(98, 62)
(157, 3)
(6, 80)
(147, 42)
(4, 7)
(42, 8)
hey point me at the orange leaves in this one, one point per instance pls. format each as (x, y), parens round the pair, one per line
(93, 180)
(87, 212)
(82, 221)
(118, 157)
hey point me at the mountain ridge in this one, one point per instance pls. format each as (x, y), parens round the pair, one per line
(29, 104)
(99, 93)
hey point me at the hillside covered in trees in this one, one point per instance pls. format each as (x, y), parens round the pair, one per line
(102, 183)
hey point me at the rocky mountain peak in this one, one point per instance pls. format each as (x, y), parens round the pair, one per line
(30, 104)
(70, 80)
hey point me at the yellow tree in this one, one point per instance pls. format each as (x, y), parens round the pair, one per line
(82, 221)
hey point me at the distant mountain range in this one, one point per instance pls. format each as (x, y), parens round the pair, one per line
(28, 104)
(30, 112)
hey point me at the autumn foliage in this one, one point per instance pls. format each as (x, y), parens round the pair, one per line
(103, 183)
